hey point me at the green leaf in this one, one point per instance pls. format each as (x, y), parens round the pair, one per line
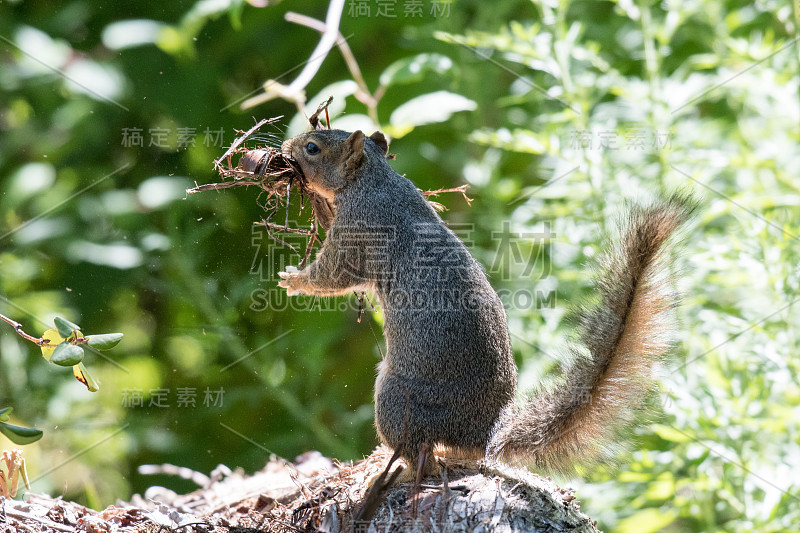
(4, 413)
(67, 354)
(516, 140)
(104, 341)
(413, 69)
(670, 434)
(647, 521)
(65, 327)
(426, 109)
(82, 375)
(53, 338)
(131, 33)
(19, 434)
(235, 13)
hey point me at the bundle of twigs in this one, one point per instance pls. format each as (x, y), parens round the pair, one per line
(265, 166)
(277, 174)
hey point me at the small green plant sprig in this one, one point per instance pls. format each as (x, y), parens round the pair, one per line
(17, 434)
(62, 345)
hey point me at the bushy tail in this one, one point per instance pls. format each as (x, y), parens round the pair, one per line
(609, 376)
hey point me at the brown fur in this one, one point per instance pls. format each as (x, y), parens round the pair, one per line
(623, 337)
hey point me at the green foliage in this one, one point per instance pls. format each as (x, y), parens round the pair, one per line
(104, 341)
(556, 113)
(60, 351)
(414, 69)
(65, 327)
(64, 347)
(66, 354)
(17, 434)
(424, 109)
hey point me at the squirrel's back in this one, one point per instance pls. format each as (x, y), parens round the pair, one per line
(448, 358)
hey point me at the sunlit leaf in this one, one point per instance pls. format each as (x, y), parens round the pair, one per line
(67, 354)
(671, 434)
(517, 140)
(116, 255)
(65, 327)
(413, 69)
(104, 341)
(82, 375)
(55, 339)
(633, 477)
(20, 435)
(131, 33)
(356, 121)
(646, 521)
(427, 109)
(235, 13)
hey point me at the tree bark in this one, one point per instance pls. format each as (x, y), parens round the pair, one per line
(314, 494)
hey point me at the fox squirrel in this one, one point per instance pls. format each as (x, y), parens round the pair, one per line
(448, 378)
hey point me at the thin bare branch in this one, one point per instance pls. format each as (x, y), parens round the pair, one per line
(347, 54)
(295, 90)
(461, 188)
(287, 229)
(18, 328)
(230, 151)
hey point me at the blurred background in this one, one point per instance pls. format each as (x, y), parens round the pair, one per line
(556, 113)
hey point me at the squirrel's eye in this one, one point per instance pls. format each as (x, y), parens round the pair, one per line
(312, 149)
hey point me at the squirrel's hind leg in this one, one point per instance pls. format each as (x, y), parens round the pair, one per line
(429, 462)
(419, 466)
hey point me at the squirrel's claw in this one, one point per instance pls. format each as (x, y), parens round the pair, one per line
(288, 273)
(286, 280)
(289, 290)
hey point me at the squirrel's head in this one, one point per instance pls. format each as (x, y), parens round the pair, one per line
(332, 159)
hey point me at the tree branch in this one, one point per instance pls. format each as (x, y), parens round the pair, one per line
(295, 89)
(18, 328)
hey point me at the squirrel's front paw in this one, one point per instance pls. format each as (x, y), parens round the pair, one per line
(289, 279)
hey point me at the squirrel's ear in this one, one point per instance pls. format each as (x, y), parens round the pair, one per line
(353, 154)
(379, 139)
